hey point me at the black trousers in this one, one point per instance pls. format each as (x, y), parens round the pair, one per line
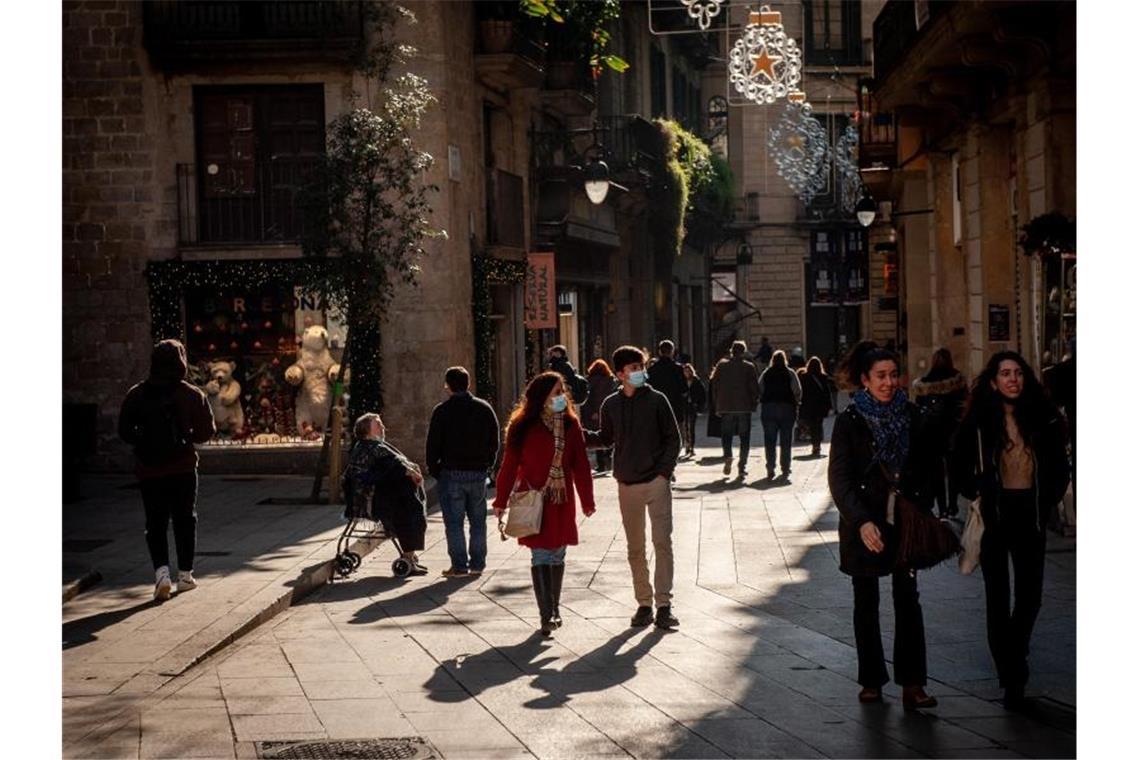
(689, 431)
(1012, 534)
(170, 499)
(779, 420)
(814, 427)
(910, 635)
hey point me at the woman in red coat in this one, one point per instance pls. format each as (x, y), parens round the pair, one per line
(547, 450)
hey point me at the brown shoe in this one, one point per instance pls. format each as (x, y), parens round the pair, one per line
(453, 572)
(916, 698)
(869, 696)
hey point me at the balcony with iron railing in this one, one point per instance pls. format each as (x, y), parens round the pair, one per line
(230, 206)
(197, 31)
(630, 146)
(509, 49)
(897, 29)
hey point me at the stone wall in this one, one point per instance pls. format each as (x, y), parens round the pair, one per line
(110, 210)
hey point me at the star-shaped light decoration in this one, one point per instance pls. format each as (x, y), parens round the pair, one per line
(765, 63)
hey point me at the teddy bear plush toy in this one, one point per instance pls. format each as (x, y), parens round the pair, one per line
(224, 395)
(314, 371)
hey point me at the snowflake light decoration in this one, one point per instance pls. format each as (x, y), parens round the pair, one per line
(765, 63)
(703, 11)
(800, 149)
(847, 167)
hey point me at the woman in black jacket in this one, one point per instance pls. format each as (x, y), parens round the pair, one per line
(695, 398)
(877, 448)
(941, 394)
(816, 403)
(602, 385)
(1010, 450)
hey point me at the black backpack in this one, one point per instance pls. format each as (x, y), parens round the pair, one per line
(160, 434)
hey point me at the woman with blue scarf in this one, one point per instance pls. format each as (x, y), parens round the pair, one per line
(877, 451)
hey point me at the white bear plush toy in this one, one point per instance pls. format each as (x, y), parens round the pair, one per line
(224, 395)
(315, 371)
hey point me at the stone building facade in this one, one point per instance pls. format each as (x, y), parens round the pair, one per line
(141, 189)
(983, 99)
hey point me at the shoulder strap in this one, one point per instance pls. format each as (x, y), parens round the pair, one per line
(981, 458)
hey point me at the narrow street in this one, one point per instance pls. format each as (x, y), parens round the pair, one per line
(763, 664)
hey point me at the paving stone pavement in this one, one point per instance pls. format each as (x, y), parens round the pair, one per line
(763, 664)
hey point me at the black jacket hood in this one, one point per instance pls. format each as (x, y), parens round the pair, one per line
(168, 363)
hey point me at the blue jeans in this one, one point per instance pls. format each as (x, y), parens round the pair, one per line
(736, 423)
(464, 494)
(778, 419)
(547, 556)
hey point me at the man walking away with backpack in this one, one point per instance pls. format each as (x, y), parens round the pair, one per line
(162, 418)
(462, 443)
(735, 387)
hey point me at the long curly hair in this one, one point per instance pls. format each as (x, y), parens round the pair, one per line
(529, 408)
(1032, 410)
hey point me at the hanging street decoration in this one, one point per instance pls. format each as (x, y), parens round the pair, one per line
(846, 161)
(765, 63)
(703, 11)
(800, 149)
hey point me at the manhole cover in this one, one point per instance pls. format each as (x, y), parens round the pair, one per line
(411, 748)
(83, 545)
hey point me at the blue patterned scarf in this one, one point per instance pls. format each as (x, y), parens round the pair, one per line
(890, 425)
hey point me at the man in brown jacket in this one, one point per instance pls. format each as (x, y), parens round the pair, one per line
(162, 418)
(735, 387)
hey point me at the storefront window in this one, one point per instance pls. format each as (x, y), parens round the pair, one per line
(242, 343)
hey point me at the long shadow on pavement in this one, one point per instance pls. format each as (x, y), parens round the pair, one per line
(82, 630)
(418, 600)
(597, 670)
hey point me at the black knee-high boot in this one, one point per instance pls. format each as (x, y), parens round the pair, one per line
(540, 576)
(556, 573)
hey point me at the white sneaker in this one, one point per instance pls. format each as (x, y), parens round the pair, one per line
(162, 588)
(186, 580)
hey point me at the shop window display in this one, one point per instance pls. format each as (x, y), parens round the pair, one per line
(266, 357)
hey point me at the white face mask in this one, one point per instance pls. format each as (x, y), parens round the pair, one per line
(558, 403)
(637, 379)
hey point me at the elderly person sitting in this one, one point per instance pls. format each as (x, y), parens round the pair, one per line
(381, 484)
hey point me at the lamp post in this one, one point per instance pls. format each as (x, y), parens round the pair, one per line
(596, 180)
(865, 211)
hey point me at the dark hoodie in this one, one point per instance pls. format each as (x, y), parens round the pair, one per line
(168, 374)
(643, 432)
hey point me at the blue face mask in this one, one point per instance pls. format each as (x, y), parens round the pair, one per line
(637, 379)
(558, 403)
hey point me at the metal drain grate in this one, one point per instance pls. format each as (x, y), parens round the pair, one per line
(408, 748)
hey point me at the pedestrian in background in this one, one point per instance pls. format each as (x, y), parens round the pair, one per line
(602, 386)
(763, 353)
(462, 444)
(162, 418)
(1023, 475)
(941, 394)
(876, 450)
(780, 394)
(639, 423)
(576, 385)
(735, 391)
(546, 451)
(665, 376)
(816, 403)
(382, 484)
(694, 404)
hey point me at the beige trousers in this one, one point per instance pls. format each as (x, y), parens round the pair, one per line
(656, 498)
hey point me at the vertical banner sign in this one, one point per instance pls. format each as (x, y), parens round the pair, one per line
(540, 309)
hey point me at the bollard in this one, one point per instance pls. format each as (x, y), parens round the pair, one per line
(334, 454)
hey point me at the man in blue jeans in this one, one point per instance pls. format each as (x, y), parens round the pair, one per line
(735, 392)
(462, 443)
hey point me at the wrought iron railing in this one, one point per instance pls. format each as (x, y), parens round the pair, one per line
(897, 28)
(266, 212)
(629, 143)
